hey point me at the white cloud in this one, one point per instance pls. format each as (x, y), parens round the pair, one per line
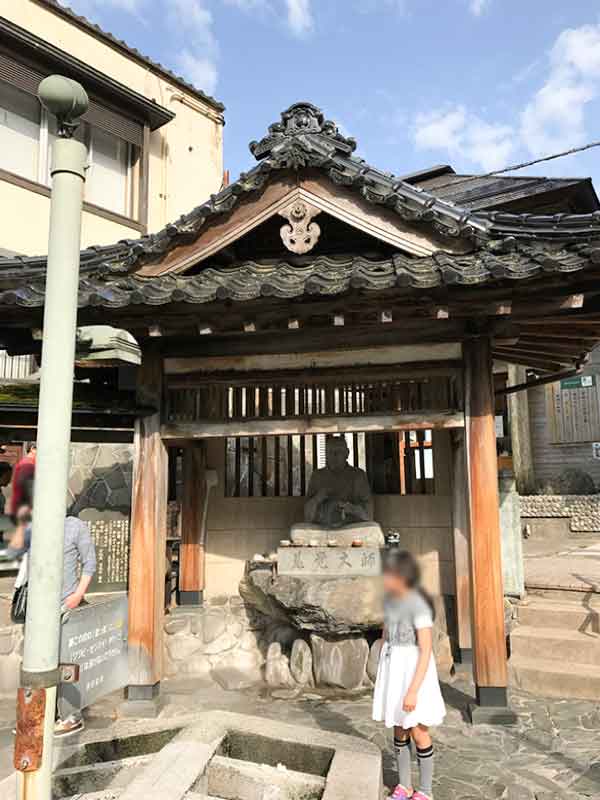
(198, 58)
(555, 117)
(299, 17)
(201, 72)
(195, 44)
(464, 135)
(247, 5)
(478, 7)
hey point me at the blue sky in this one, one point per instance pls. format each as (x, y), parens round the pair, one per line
(476, 83)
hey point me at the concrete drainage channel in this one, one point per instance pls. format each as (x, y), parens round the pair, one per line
(223, 756)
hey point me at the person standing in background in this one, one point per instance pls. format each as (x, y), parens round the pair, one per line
(79, 567)
(5, 476)
(22, 482)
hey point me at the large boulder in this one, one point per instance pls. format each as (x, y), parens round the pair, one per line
(277, 669)
(340, 663)
(373, 662)
(330, 606)
(301, 663)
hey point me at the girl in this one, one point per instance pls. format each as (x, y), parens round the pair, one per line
(407, 691)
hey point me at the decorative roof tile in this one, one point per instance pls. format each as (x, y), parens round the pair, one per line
(325, 276)
(304, 138)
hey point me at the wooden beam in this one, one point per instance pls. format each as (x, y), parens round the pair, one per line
(461, 537)
(308, 377)
(511, 357)
(191, 567)
(520, 432)
(371, 356)
(284, 426)
(489, 644)
(309, 339)
(148, 536)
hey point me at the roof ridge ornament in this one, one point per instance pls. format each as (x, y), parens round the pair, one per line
(298, 121)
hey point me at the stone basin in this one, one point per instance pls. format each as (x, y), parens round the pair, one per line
(225, 756)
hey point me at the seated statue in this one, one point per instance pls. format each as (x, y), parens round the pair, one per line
(338, 504)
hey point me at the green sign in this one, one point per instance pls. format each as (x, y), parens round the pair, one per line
(579, 382)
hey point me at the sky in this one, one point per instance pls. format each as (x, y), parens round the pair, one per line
(478, 84)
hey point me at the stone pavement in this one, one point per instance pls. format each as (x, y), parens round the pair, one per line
(552, 754)
(571, 566)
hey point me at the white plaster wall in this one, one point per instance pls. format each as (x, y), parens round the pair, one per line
(26, 218)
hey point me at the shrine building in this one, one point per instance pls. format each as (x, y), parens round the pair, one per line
(318, 295)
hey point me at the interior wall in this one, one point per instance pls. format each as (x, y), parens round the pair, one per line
(239, 527)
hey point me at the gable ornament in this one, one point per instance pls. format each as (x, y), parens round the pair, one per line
(301, 234)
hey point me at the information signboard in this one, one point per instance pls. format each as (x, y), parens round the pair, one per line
(95, 637)
(574, 410)
(110, 532)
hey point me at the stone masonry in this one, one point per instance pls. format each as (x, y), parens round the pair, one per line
(100, 477)
(582, 510)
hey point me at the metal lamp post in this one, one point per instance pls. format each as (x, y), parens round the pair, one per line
(40, 676)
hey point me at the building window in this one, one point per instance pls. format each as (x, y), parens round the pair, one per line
(281, 466)
(27, 133)
(20, 121)
(111, 168)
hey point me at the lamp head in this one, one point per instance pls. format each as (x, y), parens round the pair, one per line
(66, 99)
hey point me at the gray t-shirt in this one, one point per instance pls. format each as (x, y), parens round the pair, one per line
(404, 617)
(80, 554)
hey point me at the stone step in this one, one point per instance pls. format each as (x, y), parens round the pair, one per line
(558, 644)
(562, 594)
(573, 616)
(552, 678)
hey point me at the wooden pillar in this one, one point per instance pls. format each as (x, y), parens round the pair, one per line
(462, 567)
(148, 536)
(520, 432)
(193, 525)
(489, 644)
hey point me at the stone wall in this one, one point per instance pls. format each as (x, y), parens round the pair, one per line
(583, 511)
(100, 477)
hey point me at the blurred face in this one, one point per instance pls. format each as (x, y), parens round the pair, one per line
(393, 584)
(336, 454)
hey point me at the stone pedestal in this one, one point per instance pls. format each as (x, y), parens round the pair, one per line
(369, 533)
(329, 562)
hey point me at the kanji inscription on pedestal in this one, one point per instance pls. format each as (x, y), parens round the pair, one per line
(328, 561)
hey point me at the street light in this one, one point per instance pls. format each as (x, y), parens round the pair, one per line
(40, 675)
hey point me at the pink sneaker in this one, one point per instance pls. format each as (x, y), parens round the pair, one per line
(400, 793)
(420, 796)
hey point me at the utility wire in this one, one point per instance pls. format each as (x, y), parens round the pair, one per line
(522, 165)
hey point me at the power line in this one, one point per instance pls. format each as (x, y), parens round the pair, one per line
(522, 165)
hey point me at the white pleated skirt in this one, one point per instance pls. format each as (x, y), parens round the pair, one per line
(397, 667)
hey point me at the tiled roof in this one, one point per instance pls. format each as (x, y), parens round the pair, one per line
(305, 139)
(481, 193)
(96, 30)
(324, 276)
